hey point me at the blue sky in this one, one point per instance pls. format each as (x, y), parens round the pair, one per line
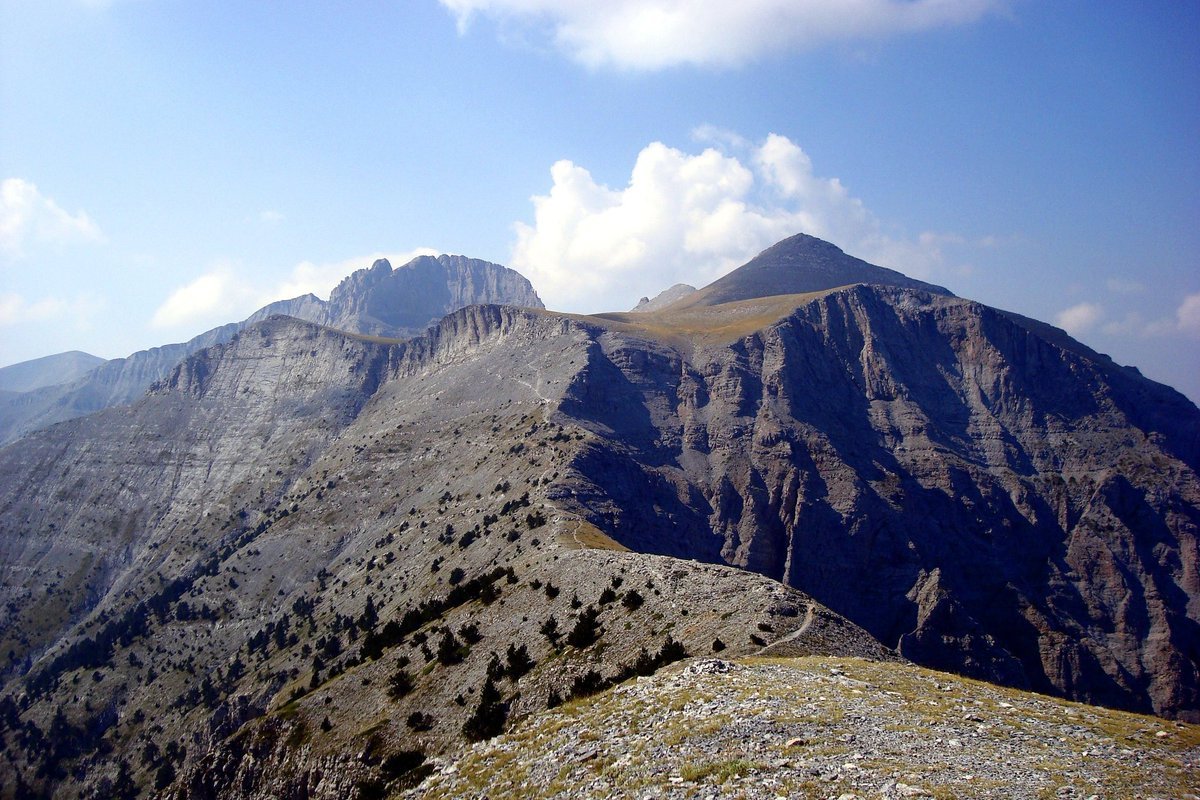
(168, 166)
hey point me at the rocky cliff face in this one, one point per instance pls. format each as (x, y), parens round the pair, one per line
(378, 301)
(403, 302)
(975, 495)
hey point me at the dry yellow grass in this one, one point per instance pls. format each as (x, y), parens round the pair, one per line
(719, 324)
(583, 535)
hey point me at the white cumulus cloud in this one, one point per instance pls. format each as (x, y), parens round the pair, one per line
(1187, 316)
(29, 217)
(14, 309)
(218, 293)
(653, 34)
(690, 218)
(1079, 318)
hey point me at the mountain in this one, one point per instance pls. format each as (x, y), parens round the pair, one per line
(293, 518)
(379, 301)
(310, 561)
(664, 298)
(798, 265)
(403, 302)
(47, 371)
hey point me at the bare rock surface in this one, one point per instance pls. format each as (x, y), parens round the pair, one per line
(983, 496)
(821, 727)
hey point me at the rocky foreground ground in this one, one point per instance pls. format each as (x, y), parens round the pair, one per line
(817, 727)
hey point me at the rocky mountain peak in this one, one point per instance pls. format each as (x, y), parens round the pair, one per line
(798, 265)
(404, 301)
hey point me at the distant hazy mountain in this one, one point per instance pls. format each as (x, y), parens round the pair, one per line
(47, 371)
(309, 560)
(380, 301)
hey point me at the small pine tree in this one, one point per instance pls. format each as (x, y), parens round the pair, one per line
(369, 616)
(587, 630)
(165, 776)
(450, 650)
(400, 684)
(489, 716)
(123, 787)
(519, 662)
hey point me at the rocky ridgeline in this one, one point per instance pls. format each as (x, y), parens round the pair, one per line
(379, 301)
(309, 562)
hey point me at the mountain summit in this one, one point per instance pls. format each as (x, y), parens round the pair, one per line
(402, 302)
(798, 265)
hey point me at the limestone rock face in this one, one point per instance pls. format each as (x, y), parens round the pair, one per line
(403, 302)
(983, 499)
(378, 301)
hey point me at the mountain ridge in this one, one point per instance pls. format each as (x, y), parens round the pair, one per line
(313, 547)
(427, 289)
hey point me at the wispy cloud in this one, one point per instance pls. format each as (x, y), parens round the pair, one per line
(1079, 318)
(1086, 317)
(652, 34)
(691, 217)
(1187, 316)
(28, 217)
(15, 309)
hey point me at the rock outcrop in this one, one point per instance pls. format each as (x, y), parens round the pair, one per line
(402, 302)
(760, 729)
